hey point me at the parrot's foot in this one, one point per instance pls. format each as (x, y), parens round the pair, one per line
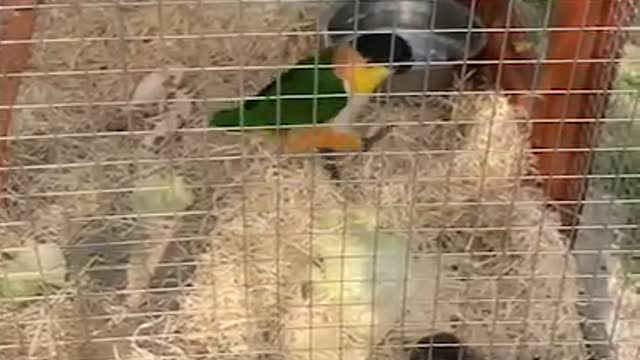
(368, 142)
(331, 163)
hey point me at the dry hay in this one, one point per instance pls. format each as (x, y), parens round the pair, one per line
(626, 310)
(238, 302)
(79, 159)
(236, 306)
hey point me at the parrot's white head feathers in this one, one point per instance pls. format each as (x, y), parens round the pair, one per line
(388, 51)
(352, 68)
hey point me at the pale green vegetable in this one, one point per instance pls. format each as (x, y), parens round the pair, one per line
(346, 271)
(23, 271)
(365, 281)
(174, 195)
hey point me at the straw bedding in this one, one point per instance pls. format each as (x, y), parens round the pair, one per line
(251, 245)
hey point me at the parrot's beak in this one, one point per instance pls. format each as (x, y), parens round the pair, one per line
(346, 59)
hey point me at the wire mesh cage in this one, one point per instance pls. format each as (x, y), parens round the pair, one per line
(300, 179)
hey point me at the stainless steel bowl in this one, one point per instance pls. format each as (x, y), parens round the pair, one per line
(398, 16)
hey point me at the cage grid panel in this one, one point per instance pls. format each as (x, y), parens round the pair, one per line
(134, 228)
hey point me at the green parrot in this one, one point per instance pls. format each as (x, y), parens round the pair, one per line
(344, 90)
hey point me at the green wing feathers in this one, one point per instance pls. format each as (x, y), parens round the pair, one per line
(298, 111)
(226, 118)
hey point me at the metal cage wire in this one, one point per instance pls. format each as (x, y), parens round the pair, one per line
(173, 239)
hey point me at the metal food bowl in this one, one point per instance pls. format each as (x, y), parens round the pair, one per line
(398, 16)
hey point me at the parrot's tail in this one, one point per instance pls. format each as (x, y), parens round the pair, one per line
(225, 118)
(231, 118)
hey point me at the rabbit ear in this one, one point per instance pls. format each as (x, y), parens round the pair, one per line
(450, 349)
(442, 338)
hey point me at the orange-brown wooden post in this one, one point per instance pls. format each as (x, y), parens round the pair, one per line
(17, 25)
(581, 99)
(563, 121)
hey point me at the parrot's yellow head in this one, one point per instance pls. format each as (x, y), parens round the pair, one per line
(353, 62)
